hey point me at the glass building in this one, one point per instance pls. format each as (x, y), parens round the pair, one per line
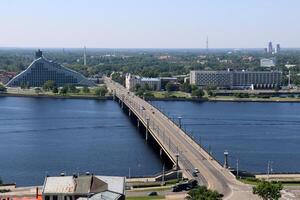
(42, 70)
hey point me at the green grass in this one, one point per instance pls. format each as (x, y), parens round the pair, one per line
(145, 198)
(253, 181)
(176, 94)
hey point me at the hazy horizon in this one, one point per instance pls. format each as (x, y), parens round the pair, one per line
(155, 24)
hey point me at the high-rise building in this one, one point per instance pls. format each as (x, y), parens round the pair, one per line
(277, 49)
(270, 47)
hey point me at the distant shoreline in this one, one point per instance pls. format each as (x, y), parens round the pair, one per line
(56, 96)
(261, 100)
(240, 100)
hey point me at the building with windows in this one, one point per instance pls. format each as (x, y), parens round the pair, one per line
(84, 187)
(267, 62)
(42, 70)
(270, 48)
(236, 79)
(131, 81)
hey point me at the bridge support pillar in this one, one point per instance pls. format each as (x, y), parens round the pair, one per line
(114, 95)
(129, 112)
(138, 123)
(122, 105)
(147, 128)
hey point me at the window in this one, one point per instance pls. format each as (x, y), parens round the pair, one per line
(47, 197)
(54, 197)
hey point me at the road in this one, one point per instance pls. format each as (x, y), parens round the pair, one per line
(176, 142)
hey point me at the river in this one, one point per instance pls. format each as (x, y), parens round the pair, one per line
(254, 134)
(43, 136)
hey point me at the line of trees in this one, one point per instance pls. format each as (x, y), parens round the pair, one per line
(2, 88)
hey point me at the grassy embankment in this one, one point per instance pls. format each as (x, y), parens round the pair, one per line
(183, 95)
(254, 181)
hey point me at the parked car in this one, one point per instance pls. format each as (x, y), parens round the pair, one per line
(185, 186)
(152, 193)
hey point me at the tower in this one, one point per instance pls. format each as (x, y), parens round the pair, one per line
(270, 47)
(206, 43)
(277, 49)
(84, 56)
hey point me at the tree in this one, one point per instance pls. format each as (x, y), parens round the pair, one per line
(49, 85)
(55, 90)
(25, 85)
(198, 93)
(268, 190)
(64, 89)
(186, 87)
(72, 88)
(1, 182)
(116, 76)
(202, 193)
(101, 91)
(2, 88)
(85, 90)
(170, 87)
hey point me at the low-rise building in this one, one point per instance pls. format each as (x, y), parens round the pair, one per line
(236, 79)
(84, 187)
(267, 62)
(131, 81)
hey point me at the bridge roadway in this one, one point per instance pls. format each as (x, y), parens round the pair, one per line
(175, 142)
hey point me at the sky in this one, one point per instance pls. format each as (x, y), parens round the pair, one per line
(149, 23)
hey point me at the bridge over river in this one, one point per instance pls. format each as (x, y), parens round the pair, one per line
(185, 153)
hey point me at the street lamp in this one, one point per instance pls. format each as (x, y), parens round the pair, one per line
(226, 159)
(179, 121)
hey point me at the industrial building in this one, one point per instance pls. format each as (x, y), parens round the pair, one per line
(236, 79)
(42, 70)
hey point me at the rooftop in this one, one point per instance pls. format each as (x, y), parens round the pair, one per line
(83, 184)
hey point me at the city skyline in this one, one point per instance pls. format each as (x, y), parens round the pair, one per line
(155, 24)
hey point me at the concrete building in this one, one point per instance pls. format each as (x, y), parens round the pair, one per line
(42, 70)
(221, 79)
(267, 62)
(236, 79)
(131, 81)
(84, 187)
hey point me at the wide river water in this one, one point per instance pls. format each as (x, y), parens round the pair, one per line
(253, 133)
(40, 136)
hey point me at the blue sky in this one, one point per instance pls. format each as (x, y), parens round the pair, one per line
(149, 23)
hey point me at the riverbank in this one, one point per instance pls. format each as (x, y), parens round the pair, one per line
(229, 99)
(57, 96)
(182, 96)
(204, 99)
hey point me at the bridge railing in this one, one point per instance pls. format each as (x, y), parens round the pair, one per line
(158, 132)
